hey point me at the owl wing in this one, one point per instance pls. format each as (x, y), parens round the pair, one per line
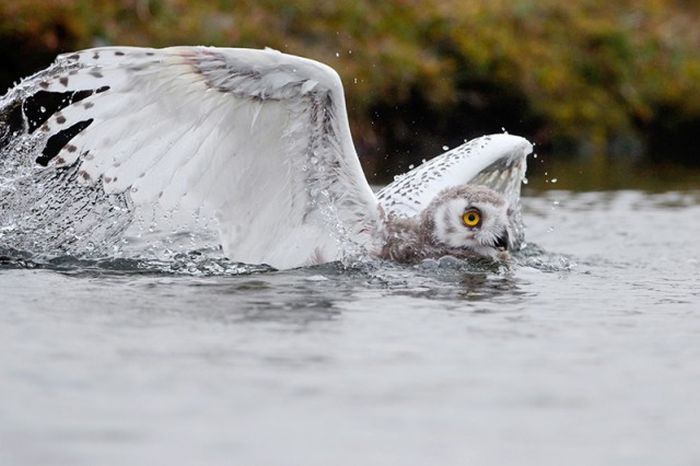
(497, 161)
(257, 137)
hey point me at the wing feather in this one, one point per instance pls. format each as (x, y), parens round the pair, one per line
(259, 138)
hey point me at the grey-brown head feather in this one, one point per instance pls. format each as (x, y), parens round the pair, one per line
(413, 239)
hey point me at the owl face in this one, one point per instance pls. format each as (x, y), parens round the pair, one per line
(469, 218)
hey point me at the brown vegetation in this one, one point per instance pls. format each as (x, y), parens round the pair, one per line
(420, 74)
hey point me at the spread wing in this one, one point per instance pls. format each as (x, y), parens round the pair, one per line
(257, 137)
(497, 161)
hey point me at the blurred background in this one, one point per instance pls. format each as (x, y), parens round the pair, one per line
(608, 90)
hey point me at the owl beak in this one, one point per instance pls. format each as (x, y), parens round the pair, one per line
(502, 241)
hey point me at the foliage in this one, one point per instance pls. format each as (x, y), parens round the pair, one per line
(583, 70)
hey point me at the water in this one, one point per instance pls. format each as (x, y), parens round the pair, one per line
(584, 351)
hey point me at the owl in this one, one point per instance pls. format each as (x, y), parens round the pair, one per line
(258, 140)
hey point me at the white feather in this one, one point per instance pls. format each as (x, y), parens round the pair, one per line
(260, 138)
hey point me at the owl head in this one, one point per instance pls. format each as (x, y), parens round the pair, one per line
(468, 220)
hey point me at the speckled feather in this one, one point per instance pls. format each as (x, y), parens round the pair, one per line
(257, 137)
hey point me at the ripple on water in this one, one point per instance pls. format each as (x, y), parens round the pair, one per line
(211, 262)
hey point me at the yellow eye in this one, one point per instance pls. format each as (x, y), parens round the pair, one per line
(471, 218)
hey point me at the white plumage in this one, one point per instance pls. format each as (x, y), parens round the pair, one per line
(256, 137)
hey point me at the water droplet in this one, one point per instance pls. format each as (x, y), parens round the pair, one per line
(410, 167)
(534, 156)
(524, 180)
(337, 54)
(445, 147)
(554, 180)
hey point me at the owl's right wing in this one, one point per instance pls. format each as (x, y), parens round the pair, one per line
(258, 137)
(497, 161)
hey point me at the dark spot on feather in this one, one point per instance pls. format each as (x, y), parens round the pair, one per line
(71, 148)
(84, 175)
(64, 81)
(108, 179)
(44, 84)
(96, 55)
(89, 105)
(118, 53)
(44, 127)
(38, 108)
(56, 142)
(96, 73)
(150, 54)
(60, 119)
(73, 72)
(60, 160)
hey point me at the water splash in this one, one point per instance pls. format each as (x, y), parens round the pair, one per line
(198, 263)
(532, 255)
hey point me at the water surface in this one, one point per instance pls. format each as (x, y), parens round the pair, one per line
(584, 351)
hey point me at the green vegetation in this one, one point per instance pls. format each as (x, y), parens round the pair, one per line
(585, 73)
